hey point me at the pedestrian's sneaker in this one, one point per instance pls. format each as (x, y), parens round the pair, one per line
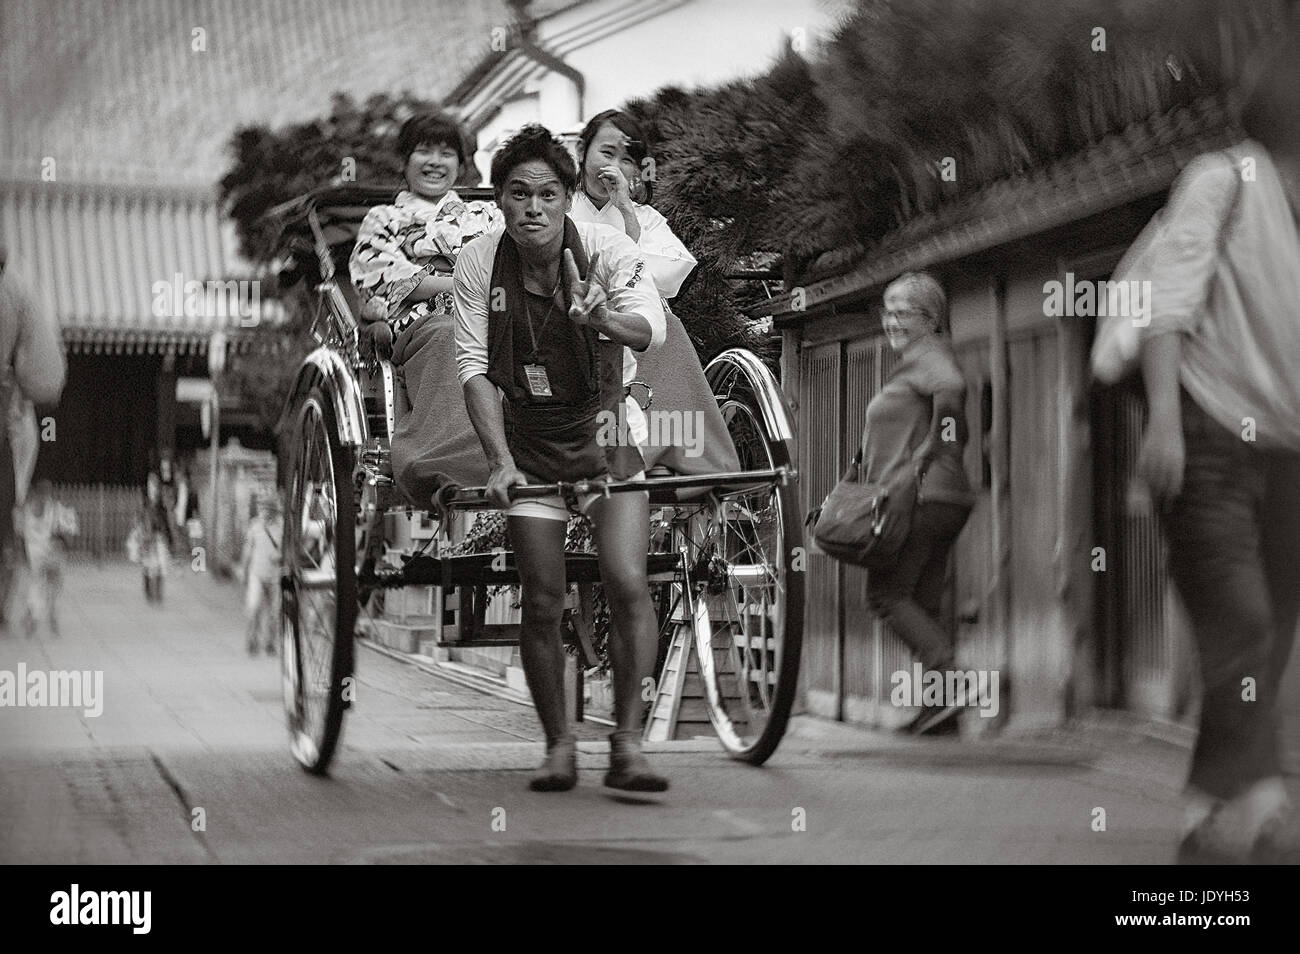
(1278, 842)
(269, 649)
(559, 772)
(941, 720)
(628, 769)
(1209, 844)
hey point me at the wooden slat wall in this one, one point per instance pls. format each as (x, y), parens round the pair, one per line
(1141, 576)
(850, 655)
(821, 464)
(978, 645)
(861, 629)
(859, 686)
(892, 653)
(105, 515)
(1038, 642)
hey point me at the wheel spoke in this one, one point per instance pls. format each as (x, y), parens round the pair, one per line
(317, 621)
(735, 550)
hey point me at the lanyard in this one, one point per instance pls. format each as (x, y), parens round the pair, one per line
(528, 314)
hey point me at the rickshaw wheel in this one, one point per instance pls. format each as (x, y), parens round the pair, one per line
(745, 604)
(318, 584)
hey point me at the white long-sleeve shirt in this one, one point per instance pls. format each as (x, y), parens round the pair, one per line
(1237, 310)
(621, 270)
(668, 259)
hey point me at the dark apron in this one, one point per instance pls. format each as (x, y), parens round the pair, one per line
(559, 442)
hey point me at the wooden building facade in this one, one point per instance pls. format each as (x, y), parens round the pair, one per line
(1057, 580)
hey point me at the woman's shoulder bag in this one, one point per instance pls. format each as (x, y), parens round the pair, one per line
(865, 524)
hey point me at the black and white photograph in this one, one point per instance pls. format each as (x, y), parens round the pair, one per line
(652, 432)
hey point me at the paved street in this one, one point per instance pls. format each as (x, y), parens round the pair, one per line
(430, 771)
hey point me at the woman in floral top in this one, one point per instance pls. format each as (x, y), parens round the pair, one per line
(404, 254)
(401, 266)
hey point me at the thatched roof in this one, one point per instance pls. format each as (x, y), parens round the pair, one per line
(1048, 113)
(1139, 162)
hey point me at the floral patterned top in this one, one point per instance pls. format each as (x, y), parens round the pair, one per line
(399, 244)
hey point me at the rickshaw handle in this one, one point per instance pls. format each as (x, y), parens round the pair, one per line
(468, 497)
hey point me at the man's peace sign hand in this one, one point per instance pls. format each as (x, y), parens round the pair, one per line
(586, 298)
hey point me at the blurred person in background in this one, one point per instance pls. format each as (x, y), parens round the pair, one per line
(259, 569)
(46, 526)
(916, 430)
(32, 370)
(1221, 453)
(155, 539)
(187, 510)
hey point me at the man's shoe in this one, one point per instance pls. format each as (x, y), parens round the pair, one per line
(559, 772)
(628, 769)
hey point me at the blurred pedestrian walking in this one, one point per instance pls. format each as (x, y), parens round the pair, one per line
(915, 430)
(259, 568)
(32, 370)
(46, 527)
(155, 539)
(187, 510)
(1221, 452)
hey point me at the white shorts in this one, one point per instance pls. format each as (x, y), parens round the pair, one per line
(554, 507)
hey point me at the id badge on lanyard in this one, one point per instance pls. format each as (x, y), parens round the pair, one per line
(539, 385)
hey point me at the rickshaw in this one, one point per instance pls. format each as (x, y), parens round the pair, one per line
(724, 559)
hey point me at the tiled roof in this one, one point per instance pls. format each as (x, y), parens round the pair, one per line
(1142, 161)
(115, 92)
(95, 254)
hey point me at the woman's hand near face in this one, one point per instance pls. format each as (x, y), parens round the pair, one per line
(620, 190)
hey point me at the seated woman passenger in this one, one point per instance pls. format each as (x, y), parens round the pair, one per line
(686, 433)
(401, 267)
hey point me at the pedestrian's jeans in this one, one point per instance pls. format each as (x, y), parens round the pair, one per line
(1234, 556)
(259, 603)
(908, 593)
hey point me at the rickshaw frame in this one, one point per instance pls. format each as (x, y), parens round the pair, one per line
(337, 420)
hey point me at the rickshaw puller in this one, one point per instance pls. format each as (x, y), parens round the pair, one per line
(548, 313)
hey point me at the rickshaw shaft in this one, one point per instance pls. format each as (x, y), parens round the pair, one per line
(472, 497)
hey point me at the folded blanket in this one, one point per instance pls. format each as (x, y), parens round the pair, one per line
(687, 432)
(434, 442)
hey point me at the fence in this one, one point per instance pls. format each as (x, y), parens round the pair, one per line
(105, 513)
